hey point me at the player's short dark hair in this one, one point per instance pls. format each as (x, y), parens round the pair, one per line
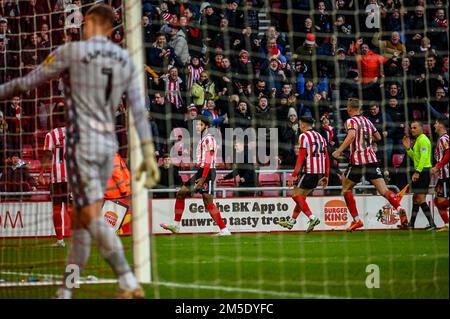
(307, 119)
(103, 13)
(205, 119)
(443, 121)
(58, 114)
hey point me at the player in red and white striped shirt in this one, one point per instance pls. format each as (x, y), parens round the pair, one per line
(442, 168)
(311, 169)
(203, 181)
(363, 162)
(54, 155)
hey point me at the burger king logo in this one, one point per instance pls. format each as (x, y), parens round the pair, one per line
(336, 213)
(111, 218)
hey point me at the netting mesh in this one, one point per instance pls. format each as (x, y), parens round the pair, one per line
(246, 64)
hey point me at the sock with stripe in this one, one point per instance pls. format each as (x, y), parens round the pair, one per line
(351, 204)
(57, 221)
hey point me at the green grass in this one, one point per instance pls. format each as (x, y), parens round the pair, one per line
(281, 265)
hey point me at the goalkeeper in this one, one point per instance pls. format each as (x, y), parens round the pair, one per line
(421, 155)
(98, 72)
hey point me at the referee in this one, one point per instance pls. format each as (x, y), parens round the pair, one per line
(421, 155)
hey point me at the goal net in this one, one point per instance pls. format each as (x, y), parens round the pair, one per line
(254, 68)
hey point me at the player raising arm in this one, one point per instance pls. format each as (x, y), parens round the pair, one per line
(97, 73)
(363, 162)
(311, 169)
(442, 169)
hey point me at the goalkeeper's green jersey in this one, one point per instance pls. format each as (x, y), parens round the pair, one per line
(421, 153)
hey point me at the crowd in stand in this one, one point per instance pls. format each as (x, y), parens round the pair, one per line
(215, 58)
(212, 58)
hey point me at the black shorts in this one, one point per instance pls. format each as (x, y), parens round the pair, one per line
(422, 184)
(369, 171)
(442, 188)
(59, 193)
(309, 181)
(208, 186)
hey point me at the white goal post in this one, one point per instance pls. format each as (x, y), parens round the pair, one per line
(140, 215)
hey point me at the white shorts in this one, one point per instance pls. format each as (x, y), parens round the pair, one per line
(89, 167)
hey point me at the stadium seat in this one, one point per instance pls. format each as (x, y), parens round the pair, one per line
(397, 160)
(269, 179)
(27, 152)
(224, 183)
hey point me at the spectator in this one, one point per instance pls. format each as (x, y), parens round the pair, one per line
(17, 177)
(216, 118)
(173, 88)
(289, 136)
(273, 76)
(244, 70)
(381, 121)
(307, 53)
(307, 99)
(179, 45)
(415, 27)
(147, 29)
(158, 54)
(389, 48)
(210, 22)
(397, 124)
(195, 68)
(235, 18)
(344, 31)
(242, 117)
(251, 17)
(170, 178)
(244, 168)
(439, 104)
(202, 90)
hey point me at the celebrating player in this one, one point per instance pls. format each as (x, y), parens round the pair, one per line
(313, 153)
(54, 150)
(363, 162)
(98, 73)
(442, 168)
(421, 155)
(203, 181)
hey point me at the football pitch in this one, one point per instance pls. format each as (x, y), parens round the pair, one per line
(411, 264)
